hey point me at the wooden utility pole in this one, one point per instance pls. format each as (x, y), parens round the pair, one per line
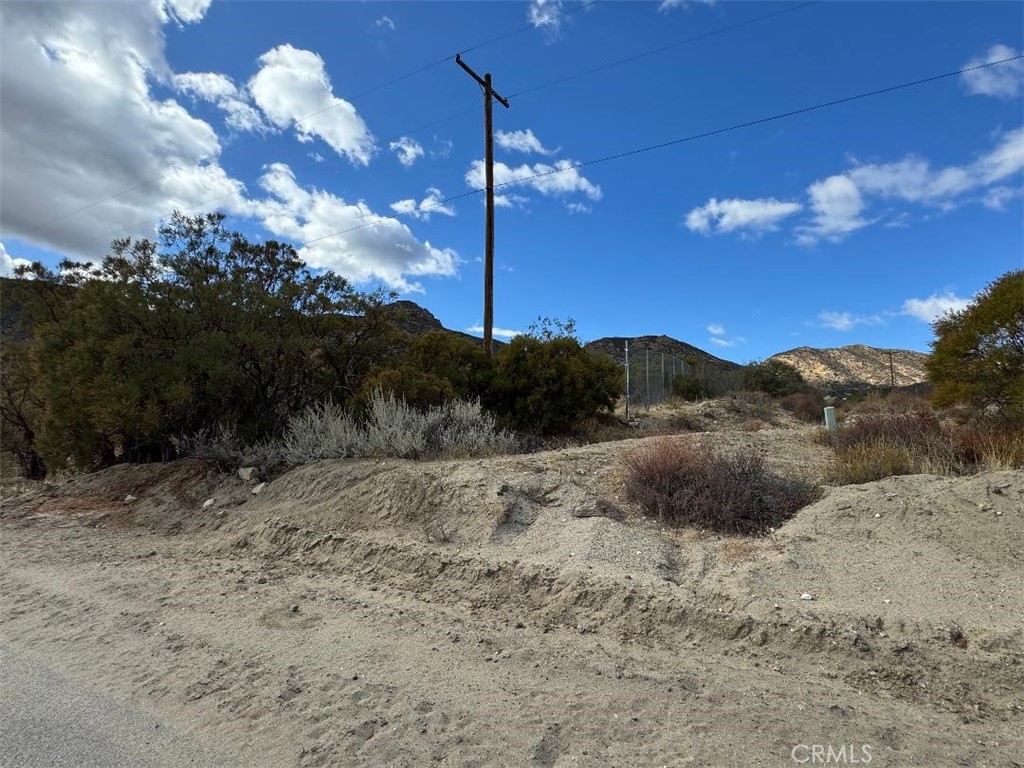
(489, 94)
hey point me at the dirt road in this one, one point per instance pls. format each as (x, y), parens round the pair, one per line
(279, 644)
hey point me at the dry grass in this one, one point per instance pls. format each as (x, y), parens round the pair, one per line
(867, 462)
(879, 445)
(888, 403)
(684, 483)
(806, 406)
(754, 405)
(996, 444)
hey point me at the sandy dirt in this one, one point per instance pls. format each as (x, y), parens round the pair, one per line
(518, 611)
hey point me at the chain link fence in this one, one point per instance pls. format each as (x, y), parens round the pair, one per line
(650, 375)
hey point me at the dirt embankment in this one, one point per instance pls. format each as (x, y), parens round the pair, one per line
(517, 611)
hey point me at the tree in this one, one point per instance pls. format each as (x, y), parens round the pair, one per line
(978, 353)
(551, 386)
(774, 377)
(33, 297)
(198, 329)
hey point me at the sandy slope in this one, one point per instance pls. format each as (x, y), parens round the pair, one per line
(491, 612)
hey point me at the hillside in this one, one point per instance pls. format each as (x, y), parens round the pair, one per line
(856, 367)
(614, 346)
(410, 317)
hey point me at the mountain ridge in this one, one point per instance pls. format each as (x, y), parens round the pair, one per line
(856, 367)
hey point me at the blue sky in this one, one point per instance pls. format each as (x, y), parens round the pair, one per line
(852, 224)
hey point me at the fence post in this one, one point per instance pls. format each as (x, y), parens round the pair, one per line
(830, 419)
(627, 381)
(647, 375)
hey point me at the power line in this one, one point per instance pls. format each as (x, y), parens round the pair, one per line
(683, 140)
(663, 48)
(527, 91)
(245, 142)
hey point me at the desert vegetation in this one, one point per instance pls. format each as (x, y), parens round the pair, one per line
(203, 343)
(206, 334)
(388, 427)
(681, 482)
(874, 445)
(978, 353)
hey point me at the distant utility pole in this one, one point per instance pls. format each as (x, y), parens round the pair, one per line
(489, 94)
(892, 374)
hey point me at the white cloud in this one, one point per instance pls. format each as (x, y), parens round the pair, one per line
(578, 208)
(718, 341)
(218, 89)
(408, 150)
(85, 67)
(210, 86)
(562, 178)
(1004, 81)
(384, 22)
(377, 247)
(522, 141)
(997, 197)
(1006, 160)
(900, 221)
(845, 321)
(500, 332)
(183, 11)
(837, 207)
(293, 89)
(443, 148)
(839, 202)
(428, 205)
(546, 15)
(510, 201)
(670, 5)
(80, 125)
(8, 262)
(913, 180)
(751, 216)
(936, 305)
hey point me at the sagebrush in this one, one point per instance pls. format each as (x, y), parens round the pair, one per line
(683, 482)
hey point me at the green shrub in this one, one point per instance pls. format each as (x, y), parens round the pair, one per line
(415, 386)
(456, 359)
(684, 483)
(551, 386)
(774, 377)
(689, 388)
